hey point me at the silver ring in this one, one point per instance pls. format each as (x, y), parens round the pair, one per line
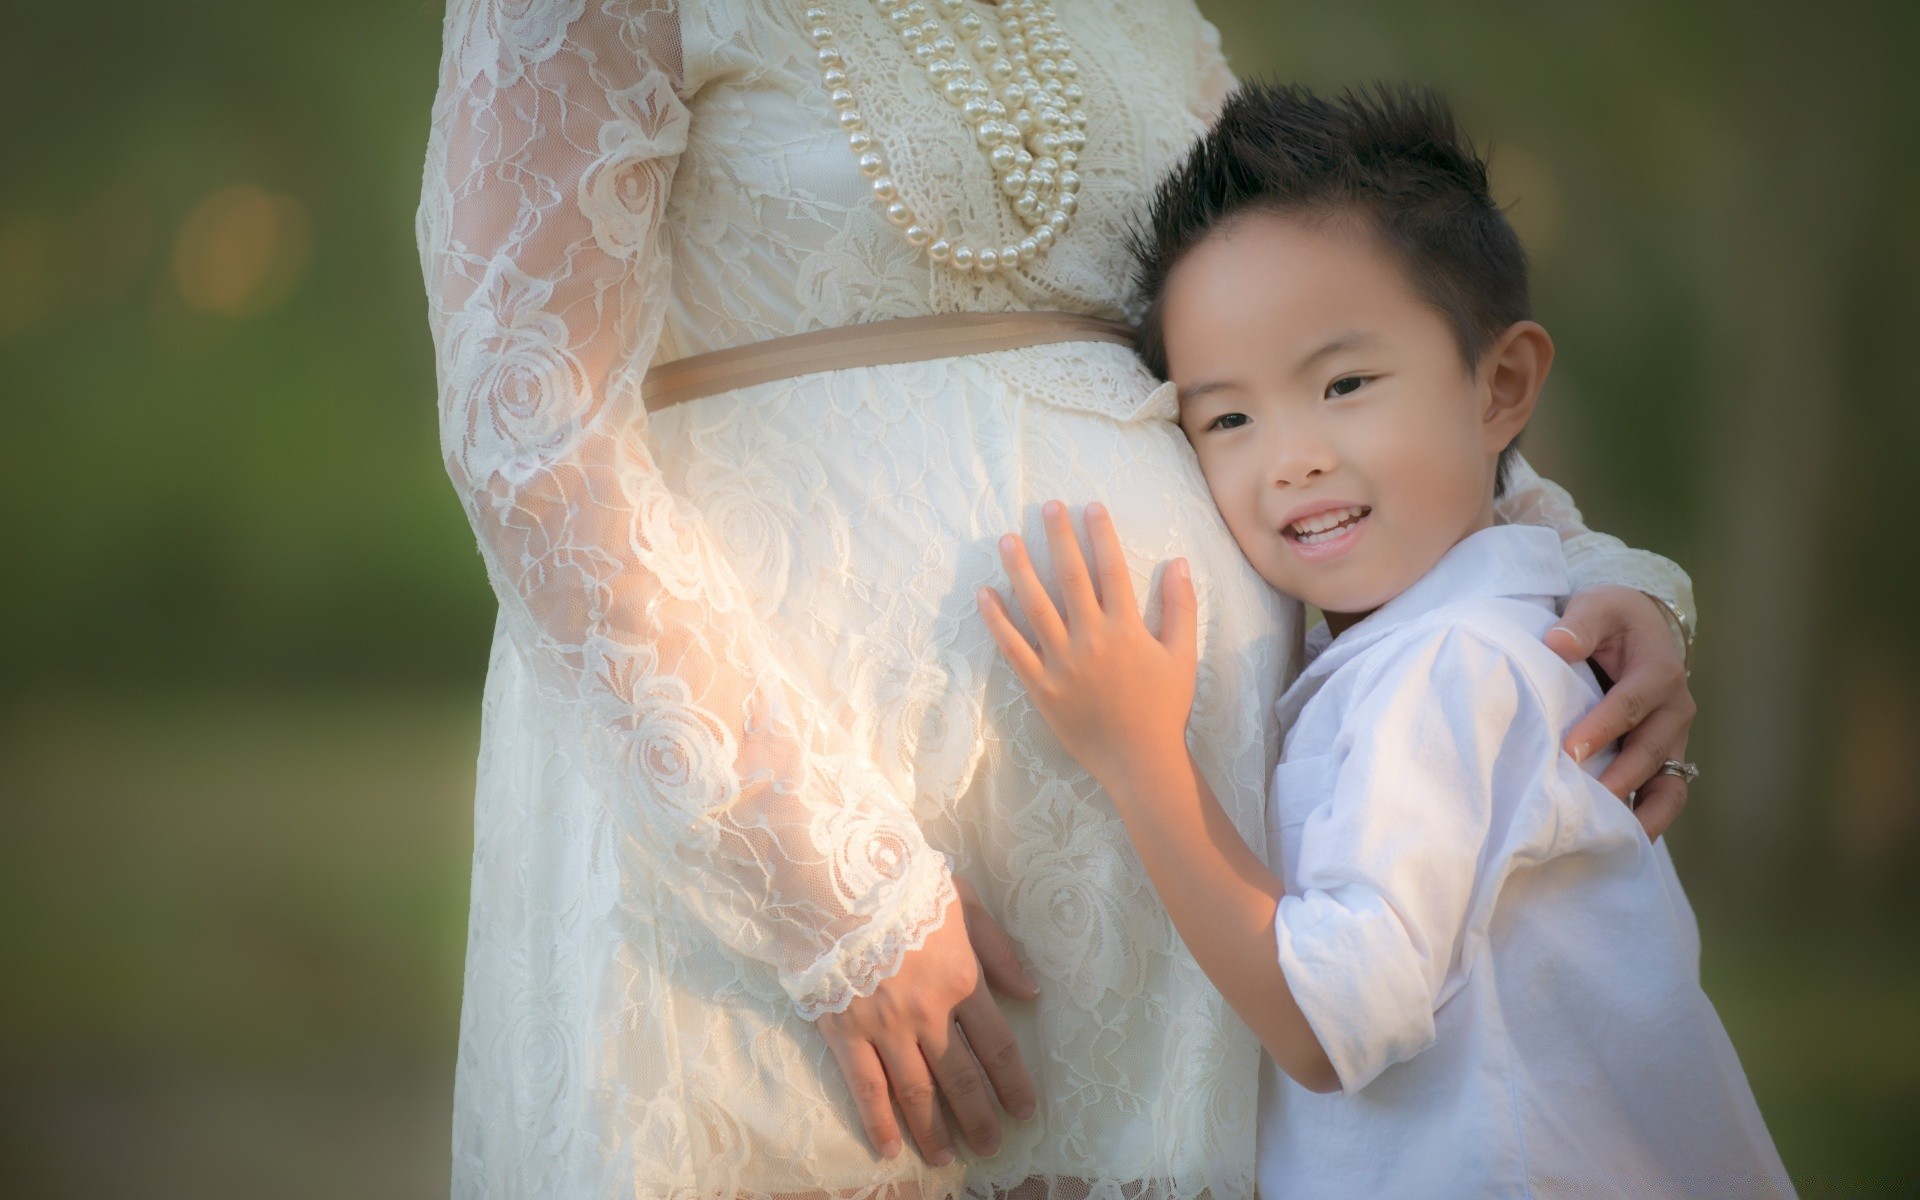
(1685, 770)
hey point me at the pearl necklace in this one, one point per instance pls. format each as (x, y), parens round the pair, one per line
(1022, 104)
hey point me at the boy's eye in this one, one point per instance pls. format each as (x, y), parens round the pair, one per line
(1346, 385)
(1227, 421)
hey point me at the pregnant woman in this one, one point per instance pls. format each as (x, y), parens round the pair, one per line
(744, 735)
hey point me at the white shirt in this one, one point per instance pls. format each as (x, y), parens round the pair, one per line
(1502, 969)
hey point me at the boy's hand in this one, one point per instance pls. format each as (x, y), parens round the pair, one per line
(1110, 690)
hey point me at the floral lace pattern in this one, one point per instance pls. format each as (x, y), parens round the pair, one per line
(741, 722)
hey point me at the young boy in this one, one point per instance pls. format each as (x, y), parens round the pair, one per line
(1467, 936)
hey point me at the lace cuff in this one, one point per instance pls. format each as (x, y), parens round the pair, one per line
(906, 914)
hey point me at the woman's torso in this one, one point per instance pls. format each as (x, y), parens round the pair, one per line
(860, 509)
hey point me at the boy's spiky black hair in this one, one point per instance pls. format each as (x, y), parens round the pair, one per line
(1389, 154)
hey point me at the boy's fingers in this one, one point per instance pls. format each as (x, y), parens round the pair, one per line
(1179, 610)
(1013, 644)
(1048, 629)
(1076, 588)
(1116, 581)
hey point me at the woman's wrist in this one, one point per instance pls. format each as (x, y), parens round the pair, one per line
(1677, 622)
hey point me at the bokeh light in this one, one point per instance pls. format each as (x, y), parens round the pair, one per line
(241, 251)
(26, 272)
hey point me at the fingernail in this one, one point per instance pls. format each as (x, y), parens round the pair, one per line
(1024, 1111)
(942, 1158)
(1096, 509)
(890, 1150)
(1579, 751)
(1007, 543)
(1180, 567)
(1052, 508)
(1563, 629)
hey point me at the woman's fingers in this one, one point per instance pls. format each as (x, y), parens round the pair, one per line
(1628, 634)
(1013, 644)
(1659, 804)
(999, 958)
(1652, 742)
(963, 1085)
(1599, 616)
(1572, 639)
(1650, 707)
(872, 1097)
(1110, 562)
(1645, 686)
(919, 1100)
(991, 1042)
(1033, 600)
(1076, 586)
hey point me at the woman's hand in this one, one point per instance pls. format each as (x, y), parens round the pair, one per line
(903, 1042)
(1632, 640)
(1110, 690)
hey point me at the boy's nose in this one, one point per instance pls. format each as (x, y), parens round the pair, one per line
(1300, 455)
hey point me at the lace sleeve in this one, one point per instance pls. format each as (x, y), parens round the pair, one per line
(555, 137)
(1593, 559)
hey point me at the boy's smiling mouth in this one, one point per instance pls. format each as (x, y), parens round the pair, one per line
(1323, 530)
(1325, 524)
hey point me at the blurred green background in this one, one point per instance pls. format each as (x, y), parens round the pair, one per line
(246, 629)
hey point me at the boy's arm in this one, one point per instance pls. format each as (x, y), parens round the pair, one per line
(1222, 900)
(1118, 699)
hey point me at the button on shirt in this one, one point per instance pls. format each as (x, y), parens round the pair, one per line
(1502, 969)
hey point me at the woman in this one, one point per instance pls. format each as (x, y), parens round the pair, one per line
(743, 732)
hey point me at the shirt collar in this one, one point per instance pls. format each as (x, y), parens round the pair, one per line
(1502, 560)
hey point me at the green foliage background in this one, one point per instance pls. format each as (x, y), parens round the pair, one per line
(245, 626)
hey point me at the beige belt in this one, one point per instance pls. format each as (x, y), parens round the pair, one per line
(878, 343)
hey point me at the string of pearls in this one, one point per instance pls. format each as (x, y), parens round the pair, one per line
(1020, 100)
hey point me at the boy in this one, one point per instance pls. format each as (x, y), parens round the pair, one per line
(1468, 936)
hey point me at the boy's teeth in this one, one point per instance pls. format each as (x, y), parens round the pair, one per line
(1309, 529)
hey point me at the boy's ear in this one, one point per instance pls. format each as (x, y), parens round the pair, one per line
(1512, 373)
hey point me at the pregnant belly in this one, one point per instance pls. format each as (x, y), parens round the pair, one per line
(861, 511)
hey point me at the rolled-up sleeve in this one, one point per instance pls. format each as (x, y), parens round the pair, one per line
(1357, 975)
(1385, 878)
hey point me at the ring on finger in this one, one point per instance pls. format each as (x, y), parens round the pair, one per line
(1686, 772)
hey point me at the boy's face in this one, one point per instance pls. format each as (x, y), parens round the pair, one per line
(1343, 438)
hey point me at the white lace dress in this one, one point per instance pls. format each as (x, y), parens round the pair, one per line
(740, 714)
